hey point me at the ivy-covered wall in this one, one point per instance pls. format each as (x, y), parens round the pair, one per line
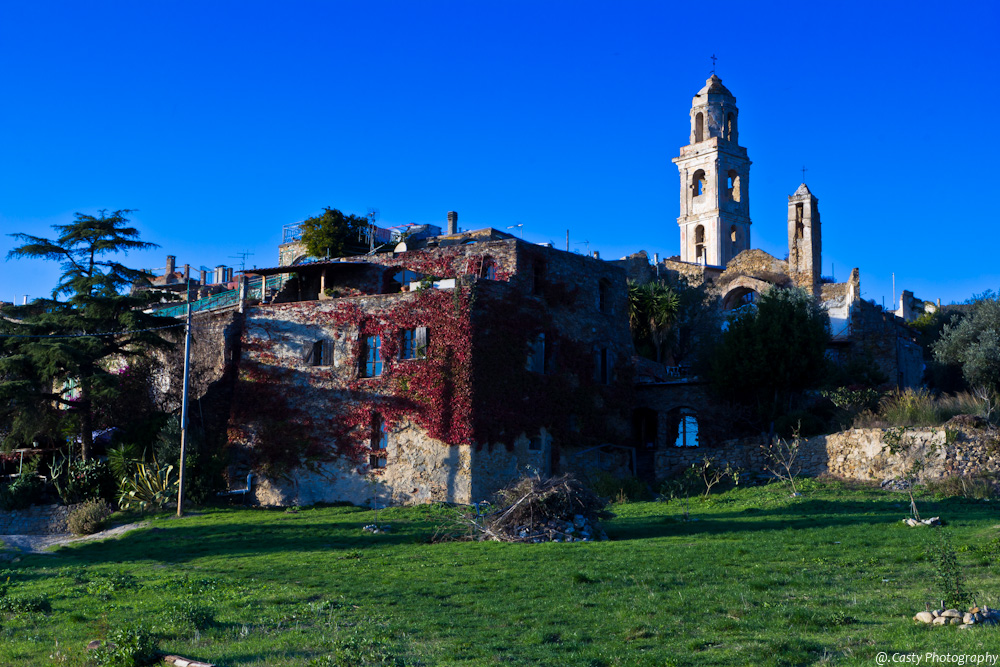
(462, 419)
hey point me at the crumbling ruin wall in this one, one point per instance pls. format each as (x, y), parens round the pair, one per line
(873, 454)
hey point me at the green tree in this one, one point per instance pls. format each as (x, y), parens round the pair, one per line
(334, 234)
(771, 353)
(652, 310)
(65, 357)
(974, 344)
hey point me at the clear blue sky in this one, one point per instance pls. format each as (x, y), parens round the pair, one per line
(222, 121)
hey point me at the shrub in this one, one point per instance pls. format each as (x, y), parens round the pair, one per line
(22, 492)
(91, 517)
(979, 487)
(128, 646)
(911, 408)
(947, 571)
(76, 481)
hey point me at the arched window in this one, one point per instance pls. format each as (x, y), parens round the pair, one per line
(699, 127)
(733, 183)
(687, 428)
(731, 126)
(699, 242)
(800, 227)
(698, 183)
(482, 267)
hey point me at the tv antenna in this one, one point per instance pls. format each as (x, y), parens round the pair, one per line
(242, 256)
(587, 243)
(372, 215)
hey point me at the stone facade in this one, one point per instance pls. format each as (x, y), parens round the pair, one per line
(525, 364)
(715, 181)
(805, 240)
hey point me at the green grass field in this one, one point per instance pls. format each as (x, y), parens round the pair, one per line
(759, 578)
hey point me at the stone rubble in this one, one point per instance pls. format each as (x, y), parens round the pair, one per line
(555, 530)
(376, 529)
(964, 620)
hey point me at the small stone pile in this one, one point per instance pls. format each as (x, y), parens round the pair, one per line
(376, 529)
(893, 484)
(580, 529)
(964, 620)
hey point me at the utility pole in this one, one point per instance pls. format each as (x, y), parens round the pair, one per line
(184, 402)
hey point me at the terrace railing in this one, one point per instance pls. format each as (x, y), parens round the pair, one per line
(257, 290)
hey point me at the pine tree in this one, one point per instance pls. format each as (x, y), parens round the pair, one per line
(60, 356)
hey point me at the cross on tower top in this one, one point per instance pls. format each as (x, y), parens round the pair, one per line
(713, 63)
(804, 173)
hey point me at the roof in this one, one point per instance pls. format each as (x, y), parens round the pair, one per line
(803, 191)
(713, 86)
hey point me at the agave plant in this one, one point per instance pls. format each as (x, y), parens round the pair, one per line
(144, 485)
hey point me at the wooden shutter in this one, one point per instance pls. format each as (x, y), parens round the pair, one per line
(420, 343)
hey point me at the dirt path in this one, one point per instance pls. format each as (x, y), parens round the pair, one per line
(40, 544)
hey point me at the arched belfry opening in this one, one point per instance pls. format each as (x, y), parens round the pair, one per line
(699, 127)
(699, 184)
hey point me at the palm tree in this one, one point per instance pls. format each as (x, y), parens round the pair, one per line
(652, 310)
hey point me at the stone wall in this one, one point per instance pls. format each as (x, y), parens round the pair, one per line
(37, 520)
(860, 454)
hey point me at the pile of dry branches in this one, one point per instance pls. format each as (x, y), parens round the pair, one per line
(536, 509)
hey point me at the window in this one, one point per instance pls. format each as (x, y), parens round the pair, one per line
(699, 243)
(413, 343)
(687, 429)
(733, 183)
(733, 238)
(699, 127)
(604, 295)
(602, 366)
(536, 354)
(487, 268)
(371, 356)
(379, 443)
(319, 353)
(698, 183)
(731, 126)
(537, 277)
(535, 444)
(800, 227)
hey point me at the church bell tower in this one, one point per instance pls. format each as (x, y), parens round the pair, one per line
(715, 181)
(805, 241)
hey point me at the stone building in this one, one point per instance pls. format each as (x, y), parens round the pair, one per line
(438, 371)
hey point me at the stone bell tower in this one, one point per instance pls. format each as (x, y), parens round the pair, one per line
(805, 243)
(715, 181)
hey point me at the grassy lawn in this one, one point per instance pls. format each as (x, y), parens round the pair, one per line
(759, 578)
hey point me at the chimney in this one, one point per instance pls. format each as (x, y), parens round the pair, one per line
(656, 258)
(597, 255)
(171, 264)
(187, 273)
(452, 222)
(220, 274)
(203, 276)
